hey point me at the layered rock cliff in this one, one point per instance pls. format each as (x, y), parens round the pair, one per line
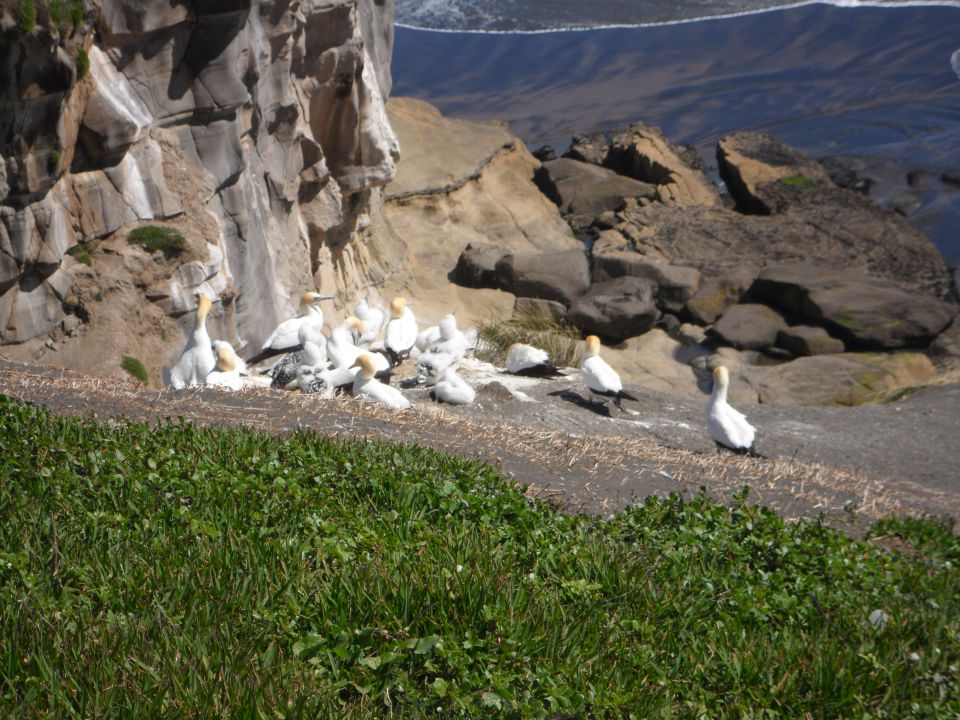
(257, 130)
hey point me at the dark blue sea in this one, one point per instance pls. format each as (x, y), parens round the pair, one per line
(876, 81)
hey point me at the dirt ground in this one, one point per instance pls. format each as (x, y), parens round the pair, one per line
(847, 464)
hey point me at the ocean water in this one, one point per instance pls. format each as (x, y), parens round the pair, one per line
(879, 81)
(532, 16)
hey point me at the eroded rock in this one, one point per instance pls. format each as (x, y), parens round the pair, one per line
(616, 309)
(749, 326)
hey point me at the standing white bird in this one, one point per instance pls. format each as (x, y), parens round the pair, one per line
(286, 373)
(342, 348)
(372, 390)
(598, 376)
(197, 359)
(284, 337)
(372, 319)
(453, 389)
(401, 332)
(227, 373)
(728, 427)
(531, 361)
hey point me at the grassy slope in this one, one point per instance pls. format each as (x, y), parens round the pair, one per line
(201, 573)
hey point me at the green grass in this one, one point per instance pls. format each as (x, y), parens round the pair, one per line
(190, 573)
(83, 63)
(560, 340)
(135, 369)
(81, 253)
(26, 17)
(155, 237)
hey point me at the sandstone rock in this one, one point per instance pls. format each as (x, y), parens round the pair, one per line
(583, 191)
(844, 172)
(535, 308)
(560, 276)
(675, 284)
(717, 294)
(588, 148)
(690, 334)
(855, 237)
(864, 311)
(655, 361)
(808, 340)
(616, 309)
(748, 160)
(749, 326)
(476, 266)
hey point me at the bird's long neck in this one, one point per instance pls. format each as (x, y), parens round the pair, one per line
(719, 391)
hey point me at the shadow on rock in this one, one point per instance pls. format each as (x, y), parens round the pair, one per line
(577, 399)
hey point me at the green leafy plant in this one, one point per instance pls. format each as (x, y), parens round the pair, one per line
(135, 369)
(798, 181)
(56, 11)
(76, 14)
(155, 238)
(170, 570)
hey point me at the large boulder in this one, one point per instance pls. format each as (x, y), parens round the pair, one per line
(749, 160)
(866, 312)
(583, 191)
(616, 309)
(476, 266)
(749, 326)
(849, 233)
(675, 284)
(561, 276)
(715, 295)
(808, 340)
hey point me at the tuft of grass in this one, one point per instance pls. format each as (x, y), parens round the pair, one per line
(83, 63)
(81, 253)
(934, 538)
(135, 369)
(798, 181)
(76, 14)
(155, 237)
(560, 339)
(26, 17)
(169, 570)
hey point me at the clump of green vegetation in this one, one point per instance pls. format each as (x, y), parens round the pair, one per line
(135, 369)
(26, 17)
(53, 160)
(934, 538)
(55, 10)
(798, 181)
(560, 339)
(154, 237)
(149, 571)
(76, 14)
(81, 253)
(83, 63)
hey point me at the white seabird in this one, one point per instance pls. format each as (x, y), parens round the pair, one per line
(372, 390)
(401, 333)
(427, 337)
(453, 389)
(432, 365)
(342, 347)
(286, 373)
(372, 319)
(284, 337)
(528, 360)
(196, 361)
(728, 427)
(598, 376)
(451, 339)
(227, 372)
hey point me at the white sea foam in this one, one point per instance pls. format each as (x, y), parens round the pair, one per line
(482, 16)
(955, 62)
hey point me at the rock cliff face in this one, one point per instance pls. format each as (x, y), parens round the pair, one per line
(258, 130)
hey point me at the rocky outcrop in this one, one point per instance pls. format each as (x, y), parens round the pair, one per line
(674, 284)
(559, 276)
(717, 294)
(750, 160)
(866, 312)
(808, 340)
(258, 131)
(749, 326)
(616, 309)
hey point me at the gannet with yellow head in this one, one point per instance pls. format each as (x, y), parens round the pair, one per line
(226, 375)
(342, 347)
(285, 336)
(196, 361)
(401, 333)
(369, 388)
(728, 427)
(601, 379)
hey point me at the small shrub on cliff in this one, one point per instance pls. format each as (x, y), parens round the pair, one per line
(55, 8)
(153, 238)
(81, 253)
(27, 16)
(83, 63)
(798, 181)
(76, 14)
(135, 369)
